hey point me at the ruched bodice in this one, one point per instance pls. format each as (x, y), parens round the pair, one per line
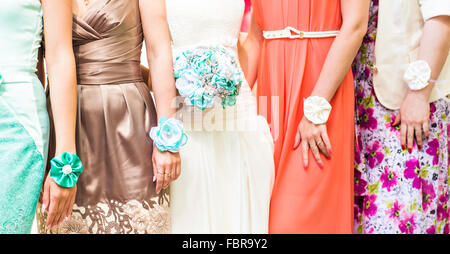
(19, 52)
(108, 42)
(115, 192)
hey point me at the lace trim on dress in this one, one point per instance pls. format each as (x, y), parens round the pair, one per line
(114, 217)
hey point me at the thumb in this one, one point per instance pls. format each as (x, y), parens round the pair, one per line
(46, 196)
(397, 120)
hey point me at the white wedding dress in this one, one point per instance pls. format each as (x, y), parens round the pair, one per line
(227, 164)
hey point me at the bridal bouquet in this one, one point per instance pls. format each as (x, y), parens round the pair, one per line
(204, 73)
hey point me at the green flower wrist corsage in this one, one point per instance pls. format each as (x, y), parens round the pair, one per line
(65, 169)
(168, 135)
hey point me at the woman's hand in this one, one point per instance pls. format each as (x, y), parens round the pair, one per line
(166, 168)
(58, 201)
(315, 137)
(414, 117)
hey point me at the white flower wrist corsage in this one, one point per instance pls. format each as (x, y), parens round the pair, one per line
(168, 135)
(316, 109)
(417, 75)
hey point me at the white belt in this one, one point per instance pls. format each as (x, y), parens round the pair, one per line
(292, 33)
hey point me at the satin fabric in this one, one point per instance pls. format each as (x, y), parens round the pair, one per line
(115, 115)
(311, 200)
(116, 111)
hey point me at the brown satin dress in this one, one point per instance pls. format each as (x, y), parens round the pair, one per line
(116, 193)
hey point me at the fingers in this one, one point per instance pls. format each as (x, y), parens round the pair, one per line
(63, 210)
(167, 177)
(418, 132)
(297, 139)
(321, 145)
(426, 129)
(70, 207)
(177, 172)
(327, 142)
(305, 148)
(403, 131)
(46, 196)
(410, 138)
(159, 180)
(315, 151)
(52, 213)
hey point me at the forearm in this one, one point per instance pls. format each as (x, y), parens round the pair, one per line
(163, 84)
(249, 51)
(338, 62)
(249, 55)
(63, 97)
(434, 49)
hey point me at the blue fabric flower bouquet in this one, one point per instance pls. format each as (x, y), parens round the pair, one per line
(204, 73)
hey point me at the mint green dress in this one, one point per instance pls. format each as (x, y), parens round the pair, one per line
(24, 124)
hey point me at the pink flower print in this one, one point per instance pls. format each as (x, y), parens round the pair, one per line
(375, 155)
(369, 231)
(412, 171)
(368, 121)
(433, 150)
(432, 110)
(408, 225)
(360, 184)
(442, 208)
(446, 228)
(431, 230)
(388, 178)
(394, 212)
(358, 147)
(356, 213)
(395, 129)
(370, 208)
(428, 195)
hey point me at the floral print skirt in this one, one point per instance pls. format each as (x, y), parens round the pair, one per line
(397, 191)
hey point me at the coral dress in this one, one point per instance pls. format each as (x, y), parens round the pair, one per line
(313, 200)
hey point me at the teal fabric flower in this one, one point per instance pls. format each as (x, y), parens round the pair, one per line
(65, 169)
(205, 73)
(1, 79)
(168, 135)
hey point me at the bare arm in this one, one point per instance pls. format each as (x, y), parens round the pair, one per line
(159, 54)
(415, 110)
(166, 165)
(249, 52)
(63, 95)
(355, 15)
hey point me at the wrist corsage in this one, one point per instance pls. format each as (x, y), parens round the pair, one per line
(168, 135)
(316, 109)
(417, 75)
(65, 169)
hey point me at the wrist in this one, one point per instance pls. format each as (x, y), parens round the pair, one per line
(422, 94)
(66, 169)
(168, 135)
(316, 109)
